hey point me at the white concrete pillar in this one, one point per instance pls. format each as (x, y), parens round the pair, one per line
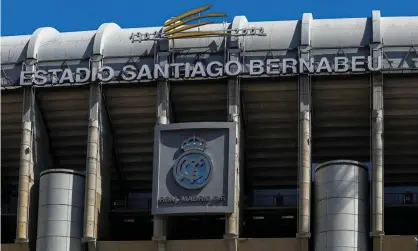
(232, 224)
(93, 172)
(305, 163)
(377, 226)
(26, 166)
(304, 140)
(163, 117)
(98, 169)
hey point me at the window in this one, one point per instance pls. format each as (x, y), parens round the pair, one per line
(401, 195)
(274, 197)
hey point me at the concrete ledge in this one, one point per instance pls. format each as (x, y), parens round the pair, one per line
(268, 244)
(288, 244)
(126, 245)
(399, 243)
(14, 247)
(193, 245)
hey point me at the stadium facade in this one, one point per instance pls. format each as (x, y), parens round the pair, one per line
(280, 135)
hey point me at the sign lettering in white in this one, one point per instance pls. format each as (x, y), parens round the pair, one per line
(212, 70)
(188, 199)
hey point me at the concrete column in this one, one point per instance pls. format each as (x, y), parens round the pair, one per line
(35, 156)
(377, 158)
(377, 228)
(26, 166)
(163, 117)
(232, 225)
(305, 163)
(93, 191)
(160, 232)
(98, 169)
(304, 139)
(30, 153)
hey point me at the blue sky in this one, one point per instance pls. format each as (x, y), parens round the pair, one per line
(25, 16)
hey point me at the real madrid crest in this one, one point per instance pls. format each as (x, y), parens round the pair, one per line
(193, 168)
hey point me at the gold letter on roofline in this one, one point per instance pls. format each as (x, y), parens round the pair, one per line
(181, 25)
(185, 21)
(187, 27)
(197, 34)
(173, 28)
(187, 14)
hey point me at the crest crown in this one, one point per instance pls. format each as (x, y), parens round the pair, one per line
(193, 143)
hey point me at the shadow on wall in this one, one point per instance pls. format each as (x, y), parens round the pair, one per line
(8, 221)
